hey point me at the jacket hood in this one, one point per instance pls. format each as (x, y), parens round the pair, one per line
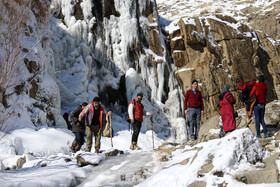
(226, 88)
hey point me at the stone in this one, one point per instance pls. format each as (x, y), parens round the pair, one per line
(268, 174)
(20, 162)
(114, 153)
(198, 184)
(205, 129)
(178, 58)
(177, 44)
(81, 161)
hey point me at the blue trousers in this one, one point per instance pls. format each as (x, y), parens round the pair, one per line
(194, 116)
(80, 138)
(259, 111)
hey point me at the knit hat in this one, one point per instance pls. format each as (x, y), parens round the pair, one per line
(226, 88)
(84, 104)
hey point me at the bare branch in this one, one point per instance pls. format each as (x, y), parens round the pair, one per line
(15, 15)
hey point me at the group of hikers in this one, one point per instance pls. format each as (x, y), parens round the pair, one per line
(88, 119)
(253, 95)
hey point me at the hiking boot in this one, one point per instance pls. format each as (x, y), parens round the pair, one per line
(88, 149)
(132, 146)
(258, 136)
(266, 135)
(77, 148)
(135, 146)
(74, 144)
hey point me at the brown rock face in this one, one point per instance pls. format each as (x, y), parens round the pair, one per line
(267, 22)
(219, 50)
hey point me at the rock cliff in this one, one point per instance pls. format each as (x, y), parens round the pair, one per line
(218, 49)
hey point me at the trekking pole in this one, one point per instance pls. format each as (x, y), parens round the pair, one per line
(152, 132)
(111, 131)
(129, 127)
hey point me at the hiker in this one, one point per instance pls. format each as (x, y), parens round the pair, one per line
(78, 128)
(226, 102)
(65, 117)
(260, 89)
(93, 114)
(136, 112)
(249, 102)
(193, 106)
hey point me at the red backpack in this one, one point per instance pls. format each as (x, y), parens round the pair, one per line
(243, 86)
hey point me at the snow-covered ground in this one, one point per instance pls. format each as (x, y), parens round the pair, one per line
(229, 155)
(50, 146)
(56, 166)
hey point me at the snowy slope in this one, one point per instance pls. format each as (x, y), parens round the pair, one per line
(229, 155)
(173, 9)
(237, 152)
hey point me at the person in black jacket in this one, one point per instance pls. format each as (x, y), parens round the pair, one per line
(78, 128)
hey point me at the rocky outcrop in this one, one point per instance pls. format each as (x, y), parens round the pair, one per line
(216, 158)
(266, 21)
(211, 128)
(218, 50)
(26, 91)
(266, 172)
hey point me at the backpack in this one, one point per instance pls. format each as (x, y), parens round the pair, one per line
(243, 97)
(106, 129)
(66, 118)
(243, 86)
(69, 119)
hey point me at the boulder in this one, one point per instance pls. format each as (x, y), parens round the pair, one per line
(268, 174)
(115, 152)
(20, 162)
(209, 130)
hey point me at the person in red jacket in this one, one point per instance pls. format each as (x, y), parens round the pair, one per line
(93, 114)
(193, 105)
(136, 112)
(260, 89)
(226, 102)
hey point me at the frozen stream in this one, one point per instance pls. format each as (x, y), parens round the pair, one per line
(123, 170)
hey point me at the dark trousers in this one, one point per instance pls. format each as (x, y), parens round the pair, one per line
(136, 130)
(79, 137)
(259, 111)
